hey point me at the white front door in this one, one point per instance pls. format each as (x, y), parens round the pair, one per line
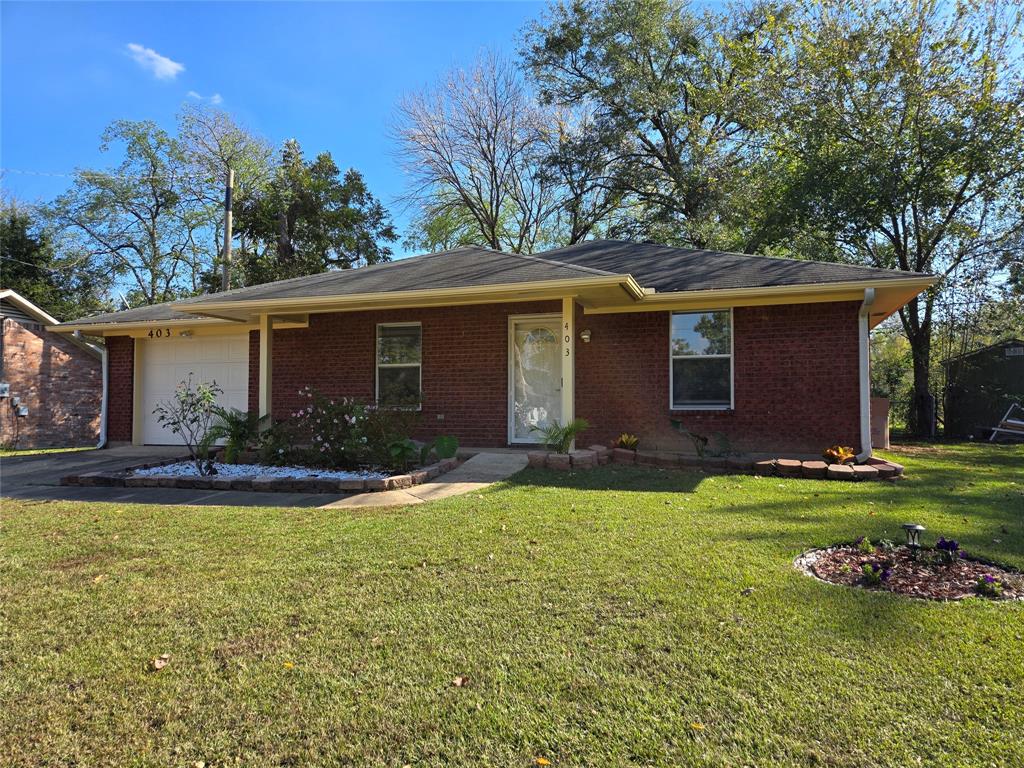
(535, 376)
(166, 362)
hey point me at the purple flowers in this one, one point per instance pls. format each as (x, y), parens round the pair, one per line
(989, 586)
(950, 549)
(875, 574)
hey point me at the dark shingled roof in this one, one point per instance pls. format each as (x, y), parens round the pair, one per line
(665, 268)
(660, 267)
(145, 314)
(458, 268)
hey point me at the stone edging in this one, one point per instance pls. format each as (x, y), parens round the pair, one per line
(874, 469)
(124, 479)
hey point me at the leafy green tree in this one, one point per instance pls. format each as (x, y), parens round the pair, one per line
(905, 136)
(213, 142)
(310, 218)
(140, 222)
(67, 286)
(681, 100)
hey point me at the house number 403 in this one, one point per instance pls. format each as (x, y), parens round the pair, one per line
(568, 341)
(160, 333)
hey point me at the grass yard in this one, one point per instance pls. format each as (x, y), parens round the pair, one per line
(600, 619)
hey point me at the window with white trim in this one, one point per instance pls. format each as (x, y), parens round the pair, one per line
(399, 364)
(700, 375)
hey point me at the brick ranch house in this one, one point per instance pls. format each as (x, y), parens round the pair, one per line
(50, 383)
(771, 354)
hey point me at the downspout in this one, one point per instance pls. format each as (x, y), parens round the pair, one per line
(864, 350)
(103, 399)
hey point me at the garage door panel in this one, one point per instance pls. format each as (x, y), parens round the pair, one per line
(167, 362)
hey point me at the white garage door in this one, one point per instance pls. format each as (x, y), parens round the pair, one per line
(167, 362)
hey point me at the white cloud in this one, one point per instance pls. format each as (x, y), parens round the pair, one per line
(214, 99)
(161, 67)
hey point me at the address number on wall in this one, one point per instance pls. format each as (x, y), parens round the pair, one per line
(160, 333)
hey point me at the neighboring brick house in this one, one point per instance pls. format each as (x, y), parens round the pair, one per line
(765, 354)
(51, 383)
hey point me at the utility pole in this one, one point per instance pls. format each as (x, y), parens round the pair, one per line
(225, 276)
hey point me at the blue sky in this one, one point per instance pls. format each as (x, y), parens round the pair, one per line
(328, 74)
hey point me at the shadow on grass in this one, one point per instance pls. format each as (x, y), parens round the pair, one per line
(611, 478)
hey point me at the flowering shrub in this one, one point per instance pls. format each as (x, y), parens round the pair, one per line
(347, 433)
(989, 586)
(875, 574)
(839, 454)
(190, 414)
(335, 429)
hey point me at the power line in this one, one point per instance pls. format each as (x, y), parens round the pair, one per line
(103, 174)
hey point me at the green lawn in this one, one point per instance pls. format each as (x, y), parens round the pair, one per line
(599, 617)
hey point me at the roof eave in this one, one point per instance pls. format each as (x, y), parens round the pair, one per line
(598, 289)
(892, 293)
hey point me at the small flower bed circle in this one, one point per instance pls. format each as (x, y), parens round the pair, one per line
(944, 572)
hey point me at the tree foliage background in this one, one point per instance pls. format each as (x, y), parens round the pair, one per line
(886, 133)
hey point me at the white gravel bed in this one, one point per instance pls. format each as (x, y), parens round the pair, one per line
(188, 469)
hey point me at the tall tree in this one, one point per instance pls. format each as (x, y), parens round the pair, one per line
(213, 143)
(680, 99)
(907, 127)
(66, 285)
(472, 146)
(311, 218)
(140, 222)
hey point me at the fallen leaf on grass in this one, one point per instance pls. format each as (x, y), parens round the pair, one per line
(99, 578)
(461, 681)
(697, 726)
(289, 665)
(160, 661)
(541, 761)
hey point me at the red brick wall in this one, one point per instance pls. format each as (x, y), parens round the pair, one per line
(121, 367)
(465, 369)
(57, 380)
(795, 376)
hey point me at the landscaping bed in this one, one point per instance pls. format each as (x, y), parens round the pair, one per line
(873, 469)
(931, 574)
(182, 473)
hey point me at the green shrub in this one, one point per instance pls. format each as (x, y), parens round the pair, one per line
(557, 437)
(239, 430)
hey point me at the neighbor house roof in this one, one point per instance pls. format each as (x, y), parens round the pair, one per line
(606, 273)
(16, 307)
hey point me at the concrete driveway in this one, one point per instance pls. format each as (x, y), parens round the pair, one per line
(38, 477)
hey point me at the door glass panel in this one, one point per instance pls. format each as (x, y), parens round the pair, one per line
(536, 378)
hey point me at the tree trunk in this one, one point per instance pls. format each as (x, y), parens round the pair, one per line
(921, 414)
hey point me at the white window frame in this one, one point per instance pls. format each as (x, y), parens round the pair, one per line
(732, 362)
(377, 364)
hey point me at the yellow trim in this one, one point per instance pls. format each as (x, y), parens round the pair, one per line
(266, 364)
(199, 327)
(892, 294)
(568, 328)
(137, 368)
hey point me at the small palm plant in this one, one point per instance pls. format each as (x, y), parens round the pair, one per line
(559, 438)
(237, 428)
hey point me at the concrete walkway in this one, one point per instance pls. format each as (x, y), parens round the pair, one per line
(478, 472)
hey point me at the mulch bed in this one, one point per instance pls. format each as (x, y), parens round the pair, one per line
(915, 577)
